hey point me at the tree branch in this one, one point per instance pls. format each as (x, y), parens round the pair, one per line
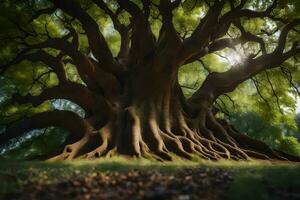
(217, 84)
(74, 92)
(221, 44)
(169, 41)
(141, 47)
(123, 30)
(63, 119)
(213, 28)
(201, 35)
(41, 12)
(96, 40)
(87, 70)
(41, 56)
(284, 34)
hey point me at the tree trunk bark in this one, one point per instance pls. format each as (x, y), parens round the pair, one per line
(152, 119)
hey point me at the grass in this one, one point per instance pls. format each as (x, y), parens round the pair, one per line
(250, 178)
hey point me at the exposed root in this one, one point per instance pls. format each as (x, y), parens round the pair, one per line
(140, 135)
(71, 151)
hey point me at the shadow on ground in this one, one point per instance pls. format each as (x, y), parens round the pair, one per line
(140, 179)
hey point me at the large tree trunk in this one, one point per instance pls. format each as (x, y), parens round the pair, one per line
(152, 119)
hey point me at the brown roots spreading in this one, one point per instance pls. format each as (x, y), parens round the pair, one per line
(143, 134)
(160, 128)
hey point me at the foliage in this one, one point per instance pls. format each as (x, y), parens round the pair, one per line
(289, 144)
(278, 137)
(39, 144)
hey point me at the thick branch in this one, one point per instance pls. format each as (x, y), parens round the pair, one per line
(214, 28)
(231, 43)
(201, 35)
(217, 84)
(239, 13)
(87, 70)
(96, 40)
(113, 16)
(121, 28)
(169, 41)
(63, 119)
(141, 47)
(41, 56)
(284, 34)
(236, 14)
(74, 92)
(221, 44)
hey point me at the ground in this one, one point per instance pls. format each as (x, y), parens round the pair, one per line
(140, 179)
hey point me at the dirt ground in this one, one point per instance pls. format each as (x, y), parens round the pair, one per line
(188, 184)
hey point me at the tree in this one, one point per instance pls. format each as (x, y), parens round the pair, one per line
(278, 137)
(298, 125)
(133, 102)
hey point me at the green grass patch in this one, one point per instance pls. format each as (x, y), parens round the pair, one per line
(252, 180)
